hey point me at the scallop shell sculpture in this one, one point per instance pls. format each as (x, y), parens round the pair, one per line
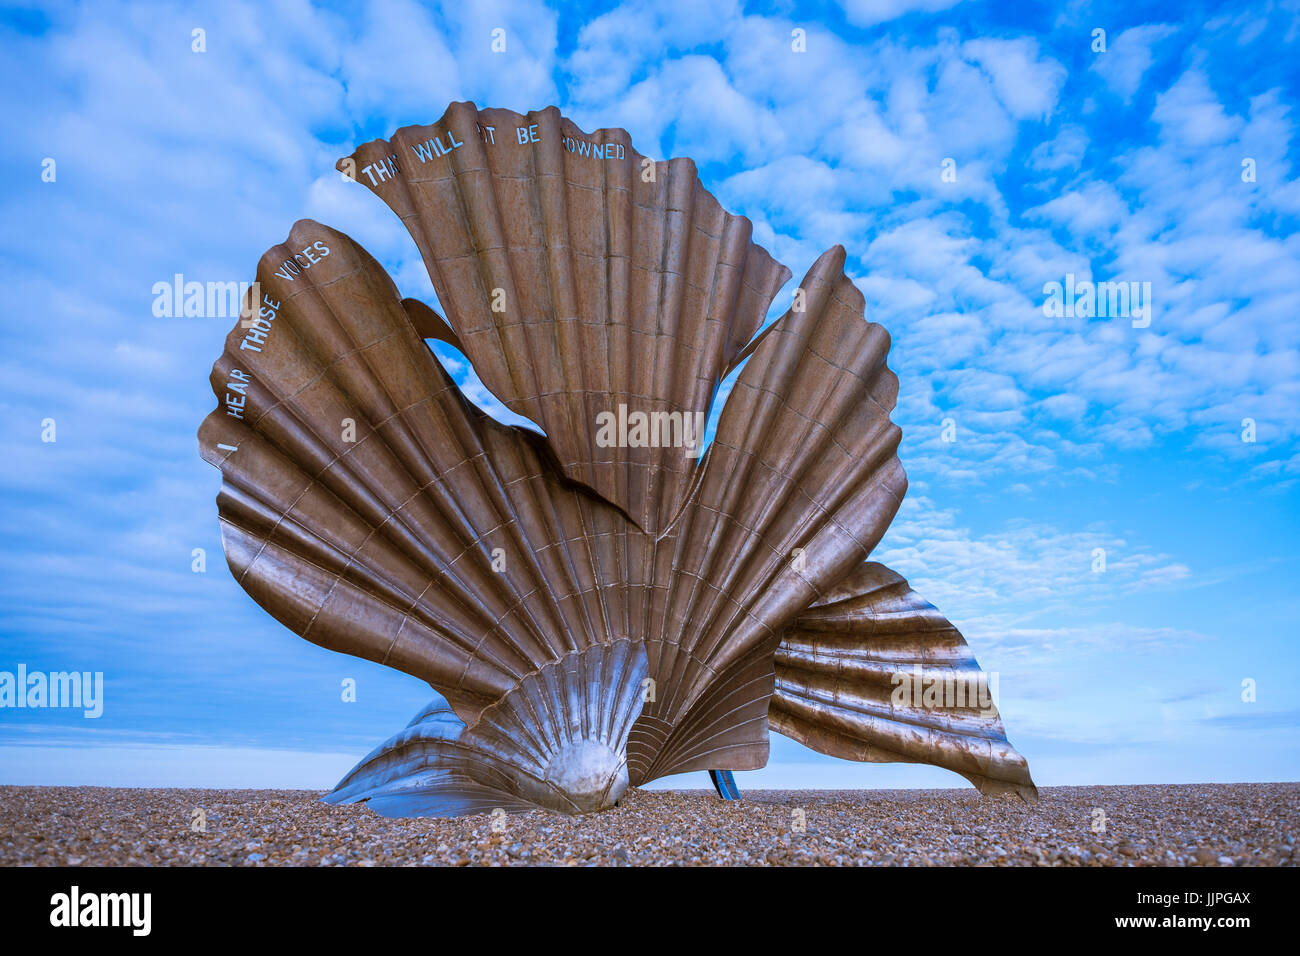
(600, 604)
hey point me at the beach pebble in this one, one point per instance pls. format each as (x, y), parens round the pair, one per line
(1223, 825)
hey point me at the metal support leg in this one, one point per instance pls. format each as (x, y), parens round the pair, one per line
(725, 784)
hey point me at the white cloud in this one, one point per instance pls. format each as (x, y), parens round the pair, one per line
(1089, 212)
(1190, 115)
(1027, 85)
(1018, 574)
(1066, 151)
(866, 13)
(1129, 55)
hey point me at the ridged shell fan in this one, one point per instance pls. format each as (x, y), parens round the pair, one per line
(599, 604)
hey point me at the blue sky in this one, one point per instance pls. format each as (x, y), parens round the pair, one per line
(1072, 433)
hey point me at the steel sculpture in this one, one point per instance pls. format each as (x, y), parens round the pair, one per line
(595, 603)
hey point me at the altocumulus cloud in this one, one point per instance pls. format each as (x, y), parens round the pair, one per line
(963, 158)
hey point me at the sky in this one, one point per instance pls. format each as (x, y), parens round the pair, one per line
(1105, 505)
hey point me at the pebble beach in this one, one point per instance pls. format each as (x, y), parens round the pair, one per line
(1193, 825)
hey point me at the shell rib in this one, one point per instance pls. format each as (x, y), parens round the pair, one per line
(387, 543)
(575, 285)
(800, 483)
(425, 770)
(852, 675)
(554, 741)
